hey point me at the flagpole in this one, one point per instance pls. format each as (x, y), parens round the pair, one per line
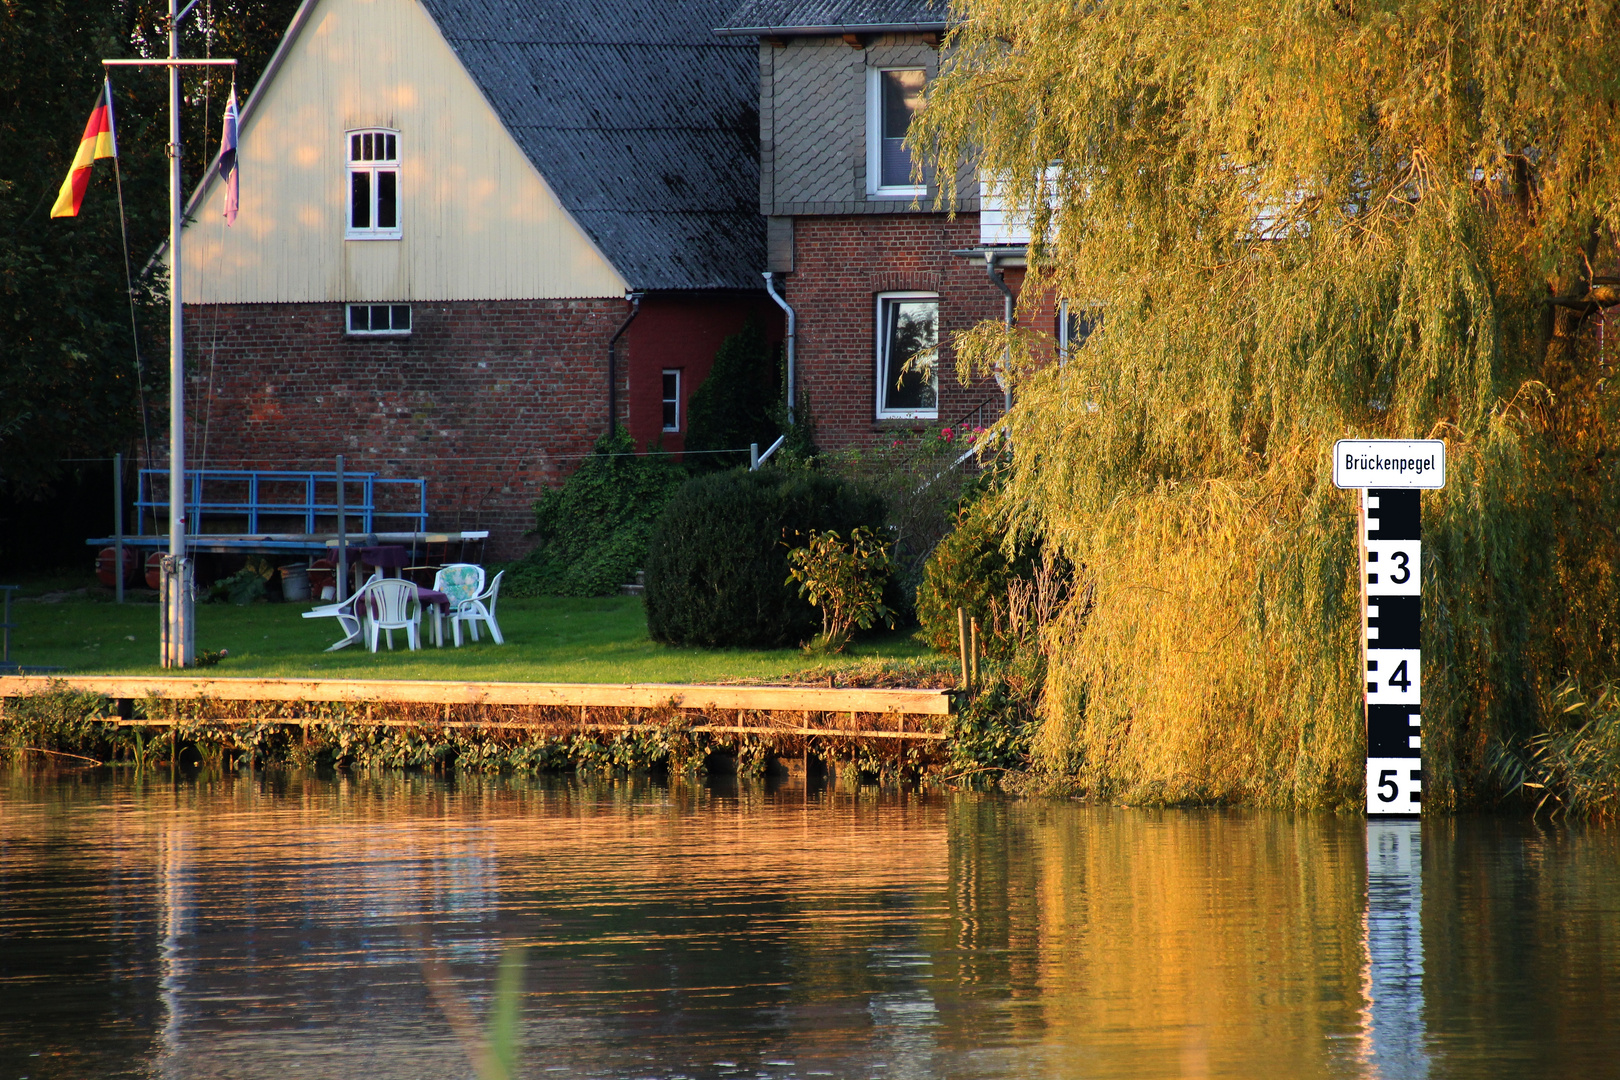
(178, 610)
(177, 592)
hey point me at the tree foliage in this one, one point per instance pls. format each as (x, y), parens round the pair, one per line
(68, 380)
(1304, 221)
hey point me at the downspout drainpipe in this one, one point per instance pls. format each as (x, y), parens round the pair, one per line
(613, 365)
(792, 373)
(1000, 282)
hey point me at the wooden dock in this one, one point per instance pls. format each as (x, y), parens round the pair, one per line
(779, 710)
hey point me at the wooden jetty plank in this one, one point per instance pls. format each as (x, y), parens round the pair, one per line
(732, 729)
(592, 695)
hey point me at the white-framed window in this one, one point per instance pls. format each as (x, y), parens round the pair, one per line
(908, 355)
(1074, 325)
(373, 193)
(893, 96)
(672, 399)
(379, 319)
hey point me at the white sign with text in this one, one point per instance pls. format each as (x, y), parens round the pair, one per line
(1389, 463)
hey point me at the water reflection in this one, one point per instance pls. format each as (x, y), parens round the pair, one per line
(1394, 974)
(300, 926)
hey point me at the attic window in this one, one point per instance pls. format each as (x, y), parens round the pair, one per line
(893, 97)
(373, 185)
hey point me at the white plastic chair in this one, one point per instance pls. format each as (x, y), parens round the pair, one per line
(480, 608)
(390, 604)
(459, 581)
(347, 615)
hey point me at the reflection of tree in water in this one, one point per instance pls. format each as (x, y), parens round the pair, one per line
(914, 339)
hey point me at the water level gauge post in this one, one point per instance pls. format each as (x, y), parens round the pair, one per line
(1391, 475)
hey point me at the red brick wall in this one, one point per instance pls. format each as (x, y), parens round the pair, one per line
(841, 264)
(682, 332)
(490, 401)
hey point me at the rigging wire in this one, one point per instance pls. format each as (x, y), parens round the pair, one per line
(129, 290)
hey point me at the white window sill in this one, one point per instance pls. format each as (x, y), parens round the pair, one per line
(897, 193)
(396, 235)
(908, 415)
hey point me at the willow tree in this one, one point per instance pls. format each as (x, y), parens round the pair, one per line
(1302, 220)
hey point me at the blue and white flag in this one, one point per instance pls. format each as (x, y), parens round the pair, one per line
(228, 170)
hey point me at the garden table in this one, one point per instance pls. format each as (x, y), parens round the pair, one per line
(441, 608)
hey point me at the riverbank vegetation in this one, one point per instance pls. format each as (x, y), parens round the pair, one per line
(1292, 224)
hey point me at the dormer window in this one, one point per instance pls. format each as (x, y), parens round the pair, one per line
(373, 185)
(893, 97)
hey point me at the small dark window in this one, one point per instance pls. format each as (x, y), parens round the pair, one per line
(387, 211)
(1075, 325)
(379, 318)
(360, 199)
(672, 400)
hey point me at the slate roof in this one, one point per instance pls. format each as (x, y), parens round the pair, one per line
(644, 123)
(834, 16)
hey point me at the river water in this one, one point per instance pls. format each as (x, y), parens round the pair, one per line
(303, 926)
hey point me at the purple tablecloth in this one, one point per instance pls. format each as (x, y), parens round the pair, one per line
(431, 596)
(384, 556)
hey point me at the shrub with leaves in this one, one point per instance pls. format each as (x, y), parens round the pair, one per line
(845, 580)
(973, 568)
(923, 483)
(593, 531)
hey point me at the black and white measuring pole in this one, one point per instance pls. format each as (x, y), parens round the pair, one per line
(1392, 475)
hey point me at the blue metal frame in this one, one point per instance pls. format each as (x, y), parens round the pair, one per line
(153, 481)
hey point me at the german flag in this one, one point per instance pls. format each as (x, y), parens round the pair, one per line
(98, 142)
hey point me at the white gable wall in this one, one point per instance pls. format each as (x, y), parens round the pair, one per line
(478, 220)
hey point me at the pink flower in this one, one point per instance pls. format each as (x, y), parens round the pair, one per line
(945, 433)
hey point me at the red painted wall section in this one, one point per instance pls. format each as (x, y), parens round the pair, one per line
(682, 332)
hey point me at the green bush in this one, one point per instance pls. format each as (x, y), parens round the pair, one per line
(972, 569)
(593, 531)
(739, 403)
(717, 570)
(846, 581)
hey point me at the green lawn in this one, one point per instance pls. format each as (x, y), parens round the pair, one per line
(548, 640)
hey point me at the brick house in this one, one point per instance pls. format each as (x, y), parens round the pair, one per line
(874, 271)
(470, 232)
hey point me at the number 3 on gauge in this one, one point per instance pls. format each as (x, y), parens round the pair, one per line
(1388, 789)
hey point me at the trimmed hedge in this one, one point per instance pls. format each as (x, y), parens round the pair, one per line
(717, 570)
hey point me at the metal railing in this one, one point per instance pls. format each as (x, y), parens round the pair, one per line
(257, 494)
